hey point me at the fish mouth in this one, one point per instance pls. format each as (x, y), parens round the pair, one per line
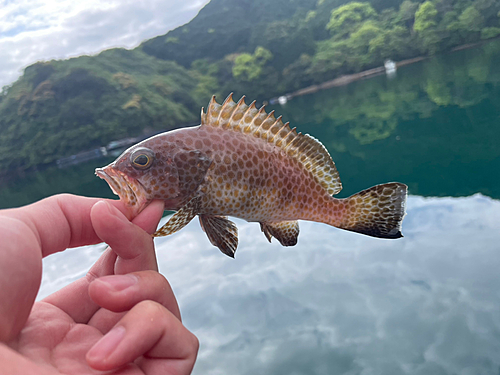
(130, 191)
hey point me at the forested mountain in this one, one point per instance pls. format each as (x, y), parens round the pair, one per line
(257, 48)
(227, 26)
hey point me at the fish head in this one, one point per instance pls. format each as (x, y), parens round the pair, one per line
(143, 173)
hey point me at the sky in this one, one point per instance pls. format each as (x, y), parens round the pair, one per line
(39, 30)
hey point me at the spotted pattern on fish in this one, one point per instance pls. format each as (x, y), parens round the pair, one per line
(286, 232)
(379, 204)
(245, 163)
(247, 119)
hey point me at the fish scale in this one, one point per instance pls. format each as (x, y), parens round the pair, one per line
(244, 162)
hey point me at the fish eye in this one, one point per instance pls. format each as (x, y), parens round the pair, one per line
(142, 158)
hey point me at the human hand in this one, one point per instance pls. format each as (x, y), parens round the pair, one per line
(122, 298)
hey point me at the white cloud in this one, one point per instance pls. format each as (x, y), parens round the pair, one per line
(338, 302)
(34, 30)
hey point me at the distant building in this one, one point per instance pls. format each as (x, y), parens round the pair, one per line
(282, 100)
(390, 68)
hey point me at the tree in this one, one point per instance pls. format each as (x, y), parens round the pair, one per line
(425, 27)
(394, 43)
(360, 41)
(488, 9)
(471, 20)
(286, 39)
(425, 17)
(330, 56)
(296, 75)
(490, 32)
(346, 18)
(248, 67)
(406, 12)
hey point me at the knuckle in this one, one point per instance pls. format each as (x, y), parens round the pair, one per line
(91, 276)
(64, 196)
(157, 279)
(154, 278)
(163, 282)
(151, 309)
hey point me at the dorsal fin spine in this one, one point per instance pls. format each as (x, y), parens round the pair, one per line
(236, 123)
(276, 127)
(261, 111)
(203, 117)
(250, 108)
(211, 106)
(286, 137)
(257, 117)
(279, 130)
(270, 117)
(228, 105)
(305, 149)
(280, 140)
(228, 99)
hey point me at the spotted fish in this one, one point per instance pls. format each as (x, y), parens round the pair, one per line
(244, 162)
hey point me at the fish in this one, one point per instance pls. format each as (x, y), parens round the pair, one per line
(244, 162)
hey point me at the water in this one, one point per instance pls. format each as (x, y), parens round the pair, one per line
(338, 302)
(435, 127)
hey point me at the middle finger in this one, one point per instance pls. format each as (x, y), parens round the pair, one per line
(120, 293)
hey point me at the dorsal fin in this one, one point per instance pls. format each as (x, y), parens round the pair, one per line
(256, 122)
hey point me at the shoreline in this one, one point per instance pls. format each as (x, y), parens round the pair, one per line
(346, 79)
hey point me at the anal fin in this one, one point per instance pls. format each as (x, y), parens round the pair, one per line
(221, 232)
(180, 219)
(286, 232)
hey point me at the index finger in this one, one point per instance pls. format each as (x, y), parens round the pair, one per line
(60, 221)
(133, 245)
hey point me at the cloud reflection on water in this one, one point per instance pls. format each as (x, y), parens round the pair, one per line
(338, 302)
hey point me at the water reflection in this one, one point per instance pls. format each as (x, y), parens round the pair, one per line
(434, 127)
(338, 302)
(79, 179)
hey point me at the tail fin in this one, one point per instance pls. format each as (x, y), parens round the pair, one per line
(377, 211)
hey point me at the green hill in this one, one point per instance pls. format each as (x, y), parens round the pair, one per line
(223, 27)
(257, 48)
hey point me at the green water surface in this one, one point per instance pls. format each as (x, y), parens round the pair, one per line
(435, 127)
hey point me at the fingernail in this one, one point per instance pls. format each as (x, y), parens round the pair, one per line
(119, 282)
(106, 345)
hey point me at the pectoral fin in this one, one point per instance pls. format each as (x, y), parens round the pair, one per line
(221, 232)
(286, 232)
(180, 219)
